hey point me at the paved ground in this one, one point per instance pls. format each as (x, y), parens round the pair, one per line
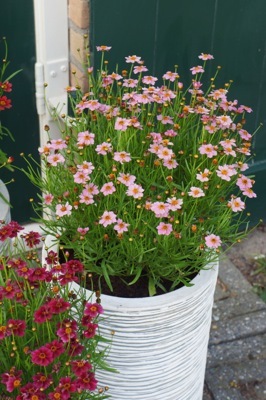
(236, 365)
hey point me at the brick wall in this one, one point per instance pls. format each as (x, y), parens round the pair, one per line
(78, 16)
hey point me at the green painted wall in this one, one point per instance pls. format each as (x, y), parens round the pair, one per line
(17, 24)
(168, 32)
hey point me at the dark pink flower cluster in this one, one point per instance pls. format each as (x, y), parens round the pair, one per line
(45, 328)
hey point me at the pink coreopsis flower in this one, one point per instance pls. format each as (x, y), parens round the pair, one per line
(140, 68)
(208, 149)
(58, 144)
(196, 192)
(122, 156)
(164, 153)
(244, 182)
(225, 172)
(85, 139)
(236, 204)
(92, 188)
(224, 121)
(42, 356)
(121, 124)
(171, 76)
(165, 119)
(164, 229)
(160, 209)
(56, 347)
(93, 309)
(121, 226)
(149, 80)
(130, 83)
(133, 59)
(48, 198)
(81, 177)
(108, 188)
(55, 159)
(86, 198)
(103, 48)
(108, 218)
(249, 193)
(41, 381)
(205, 57)
(86, 167)
(170, 164)
(213, 241)
(63, 209)
(135, 191)
(244, 134)
(83, 231)
(103, 148)
(203, 176)
(126, 179)
(197, 69)
(174, 203)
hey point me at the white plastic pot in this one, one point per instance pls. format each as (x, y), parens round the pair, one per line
(159, 344)
(4, 206)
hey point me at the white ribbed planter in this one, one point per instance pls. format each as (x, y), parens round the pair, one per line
(159, 345)
(4, 207)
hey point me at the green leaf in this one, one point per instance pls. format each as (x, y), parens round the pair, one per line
(139, 271)
(106, 275)
(151, 287)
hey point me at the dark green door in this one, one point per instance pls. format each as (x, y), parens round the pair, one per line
(169, 32)
(17, 25)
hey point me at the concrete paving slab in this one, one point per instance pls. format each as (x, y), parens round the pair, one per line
(238, 328)
(251, 348)
(238, 381)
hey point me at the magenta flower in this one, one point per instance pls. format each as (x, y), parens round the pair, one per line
(58, 305)
(90, 330)
(42, 356)
(16, 326)
(87, 381)
(67, 330)
(43, 314)
(32, 238)
(80, 367)
(42, 381)
(93, 309)
(56, 347)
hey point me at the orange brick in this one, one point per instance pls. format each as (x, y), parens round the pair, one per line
(78, 45)
(78, 12)
(78, 78)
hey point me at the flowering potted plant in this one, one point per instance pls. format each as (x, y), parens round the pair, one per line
(48, 335)
(145, 186)
(5, 104)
